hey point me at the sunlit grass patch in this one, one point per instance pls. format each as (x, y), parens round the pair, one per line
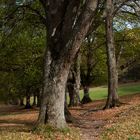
(97, 93)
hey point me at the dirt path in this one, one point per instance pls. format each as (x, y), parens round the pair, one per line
(93, 121)
(90, 130)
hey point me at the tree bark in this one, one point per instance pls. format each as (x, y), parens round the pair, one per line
(77, 79)
(38, 99)
(73, 83)
(21, 101)
(70, 86)
(28, 105)
(63, 44)
(86, 98)
(68, 115)
(71, 94)
(112, 98)
(34, 99)
(52, 104)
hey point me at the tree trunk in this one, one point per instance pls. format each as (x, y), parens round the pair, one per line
(86, 98)
(70, 87)
(112, 98)
(38, 99)
(77, 79)
(68, 115)
(28, 105)
(65, 36)
(73, 83)
(52, 104)
(34, 99)
(21, 101)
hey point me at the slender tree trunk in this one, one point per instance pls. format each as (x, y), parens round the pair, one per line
(71, 93)
(21, 101)
(70, 86)
(68, 115)
(34, 99)
(28, 104)
(86, 98)
(90, 64)
(38, 99)
(77, 80)
(113, 98)
(73, 83)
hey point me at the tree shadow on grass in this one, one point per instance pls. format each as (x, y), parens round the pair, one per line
(91, 110)
(16, 122)
(23, 120)
(16, 110)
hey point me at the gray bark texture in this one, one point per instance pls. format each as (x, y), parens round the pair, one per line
(28, 105)
(77, 79)
(86, 98)
(73, 83)
(111, 59)
(34, 99)
(65, 32)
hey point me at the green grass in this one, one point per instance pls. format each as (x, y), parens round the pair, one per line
(98, 93)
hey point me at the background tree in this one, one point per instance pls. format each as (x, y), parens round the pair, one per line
(21, 53)
(73, 82)
(112, 99)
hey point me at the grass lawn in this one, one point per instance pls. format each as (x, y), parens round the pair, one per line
(98, 93)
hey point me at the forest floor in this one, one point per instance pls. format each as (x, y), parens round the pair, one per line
(93, 123)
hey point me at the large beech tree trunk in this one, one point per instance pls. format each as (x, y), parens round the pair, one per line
(112, 99)
(66, 31)
(52, 104)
